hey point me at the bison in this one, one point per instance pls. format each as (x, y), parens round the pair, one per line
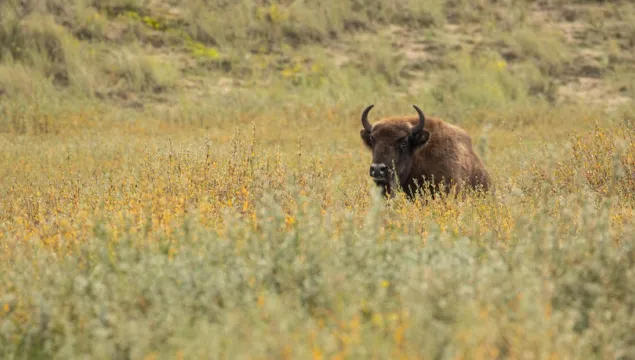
(415, 149)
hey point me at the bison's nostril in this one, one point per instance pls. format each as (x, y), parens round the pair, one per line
(377, 170)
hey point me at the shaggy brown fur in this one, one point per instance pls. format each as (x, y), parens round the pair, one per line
(422, 149)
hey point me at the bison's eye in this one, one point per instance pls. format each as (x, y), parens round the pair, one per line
(372, 141)
(403, 144)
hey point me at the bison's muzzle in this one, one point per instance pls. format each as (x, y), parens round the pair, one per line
(379, 173)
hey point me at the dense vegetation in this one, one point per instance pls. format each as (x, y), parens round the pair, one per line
(186, 180)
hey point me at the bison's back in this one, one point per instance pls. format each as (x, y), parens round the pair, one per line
(449, 154)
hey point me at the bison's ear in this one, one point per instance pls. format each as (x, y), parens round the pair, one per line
(419, 139)
(366, 138)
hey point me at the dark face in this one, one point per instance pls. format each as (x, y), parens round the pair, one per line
(393, 146)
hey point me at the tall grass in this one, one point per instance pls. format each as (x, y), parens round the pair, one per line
(147, 246)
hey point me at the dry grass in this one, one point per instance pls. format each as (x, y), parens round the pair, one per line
(145, 238)
(237, 221)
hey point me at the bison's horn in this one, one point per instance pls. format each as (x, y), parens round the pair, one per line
(365, 122)
(422, 120)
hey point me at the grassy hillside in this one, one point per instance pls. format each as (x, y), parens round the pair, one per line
(186, 180)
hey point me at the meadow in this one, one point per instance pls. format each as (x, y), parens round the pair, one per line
(186, 180)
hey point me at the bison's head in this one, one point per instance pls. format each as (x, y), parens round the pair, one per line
(393, 144)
